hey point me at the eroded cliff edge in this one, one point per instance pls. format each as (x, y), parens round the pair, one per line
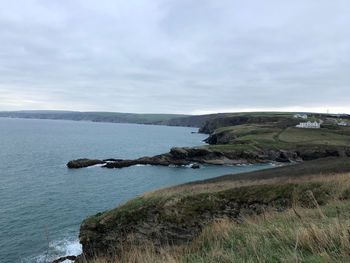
(175, 216)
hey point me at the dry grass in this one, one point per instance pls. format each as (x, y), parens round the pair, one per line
(341, 181)
(278, 237)
(321, 234)
(273, 237)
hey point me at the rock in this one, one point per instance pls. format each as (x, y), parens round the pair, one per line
(220, 138)
(71, 258)
(309, 155)
(195, 166)
(282, 160)
(178, 153)
(120, 164)
(81, 163)
(112, 160)
(179, 156)
(212, 139)
(199, 153)
(284, 157)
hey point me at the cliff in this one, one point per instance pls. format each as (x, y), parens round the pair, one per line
(178, 215)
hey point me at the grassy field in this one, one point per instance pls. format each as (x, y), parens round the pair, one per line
(316, 136)
(273, 136)
(305, 217)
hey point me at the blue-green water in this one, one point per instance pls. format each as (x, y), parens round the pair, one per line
(42, 203)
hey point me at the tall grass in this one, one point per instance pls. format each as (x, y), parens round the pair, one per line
(284, 237)
(299, 234)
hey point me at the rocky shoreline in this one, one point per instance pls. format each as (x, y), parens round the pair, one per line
(195, 156)
(176, 157)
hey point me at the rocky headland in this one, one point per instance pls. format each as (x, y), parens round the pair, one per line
(246, 138)
(195, 156)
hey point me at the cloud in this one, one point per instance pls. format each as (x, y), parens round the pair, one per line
(180, 56)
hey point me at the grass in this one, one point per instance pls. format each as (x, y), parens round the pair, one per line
(302, 218)
(246, 129)
(320, 234)
(277, 136)
(300, 235)
(315, 136)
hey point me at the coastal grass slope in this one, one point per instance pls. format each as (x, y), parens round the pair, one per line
(278, 132)
(299, 235)
(276, 137)
(298, 213)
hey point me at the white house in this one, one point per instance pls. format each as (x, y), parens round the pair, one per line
(300, 116)
(309, 125)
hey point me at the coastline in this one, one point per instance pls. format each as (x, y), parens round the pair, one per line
(178, 214)
(249, 140)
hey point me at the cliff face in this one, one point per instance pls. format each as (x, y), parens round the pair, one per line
(177, 221)
(195, 121)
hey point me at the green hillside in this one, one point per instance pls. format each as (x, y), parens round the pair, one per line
(277, 132)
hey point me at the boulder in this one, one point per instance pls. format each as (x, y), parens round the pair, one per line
(195, 166)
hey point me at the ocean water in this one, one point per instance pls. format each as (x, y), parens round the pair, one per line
(42, 203)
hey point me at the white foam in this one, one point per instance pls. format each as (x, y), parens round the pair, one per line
(57, 249)
(68, 247)
(96, 165)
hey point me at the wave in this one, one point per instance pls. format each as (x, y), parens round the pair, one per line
(96, 165)
(57, 249)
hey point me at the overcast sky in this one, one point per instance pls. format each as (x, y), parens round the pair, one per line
(175, 56)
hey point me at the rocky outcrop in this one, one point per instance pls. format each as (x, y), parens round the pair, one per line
(194, 156)
(309, 155)
(82, 163)
(178, 157)
(195, 166)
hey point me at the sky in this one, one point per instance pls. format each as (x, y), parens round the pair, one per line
(175, 56)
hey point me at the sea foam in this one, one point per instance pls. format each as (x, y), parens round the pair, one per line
(57, 249)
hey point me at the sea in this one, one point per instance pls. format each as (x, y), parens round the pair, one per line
(42, 202)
